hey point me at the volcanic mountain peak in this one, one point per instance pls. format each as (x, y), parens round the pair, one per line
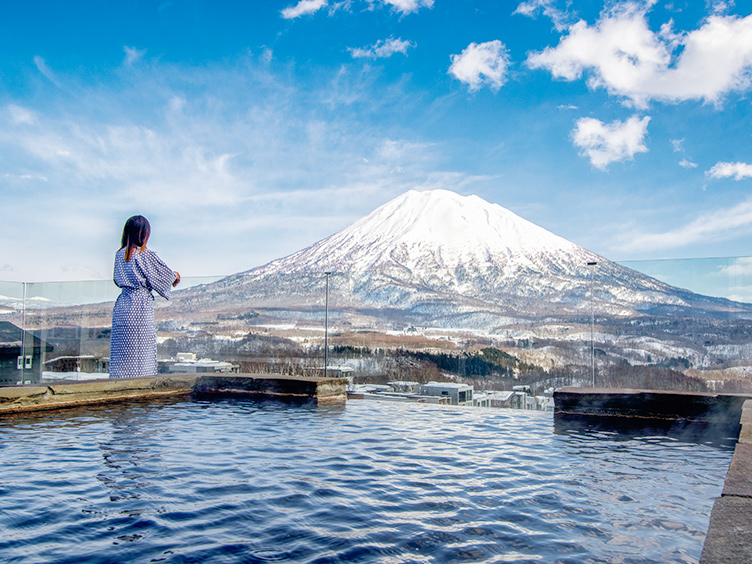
(456, 259)
(432, 229)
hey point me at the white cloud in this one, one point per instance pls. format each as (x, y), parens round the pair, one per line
(307, 7)
(26, 177)
(737, 275)
(133, 55)
(303, 8)
(678, 146)
(685, 163)
(605, 143)
(409, 6)
(741, 266)
(560, 17)
(623, 55)
(740, 293)
(720, 7)
(20, 115)
(382, 49)
(233, 151)
(46, 71)
(484, 63)
(715, 226)
(737, 171)
(176, 104)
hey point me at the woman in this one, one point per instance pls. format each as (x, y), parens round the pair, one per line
(138, 271)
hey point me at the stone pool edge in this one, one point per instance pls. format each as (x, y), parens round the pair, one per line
(62, 394)
(729, 538)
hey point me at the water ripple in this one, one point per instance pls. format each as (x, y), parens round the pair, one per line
(226, 482)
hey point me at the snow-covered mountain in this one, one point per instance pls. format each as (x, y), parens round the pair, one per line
(439, 254)
(437, 229)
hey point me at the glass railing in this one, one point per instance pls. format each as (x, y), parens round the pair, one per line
(413, 327)
(724, 277)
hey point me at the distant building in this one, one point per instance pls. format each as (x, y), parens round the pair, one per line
(402, 386)
(340, 371)
(81, 367)
(87, 363)
(482, 399)
(502, 399)
(21, 356)
(458, 394)
(546, 401)
(387, 393)
(188, 363)
(450, 393)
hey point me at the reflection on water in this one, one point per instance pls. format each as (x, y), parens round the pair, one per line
(228, 481)
(719, 433)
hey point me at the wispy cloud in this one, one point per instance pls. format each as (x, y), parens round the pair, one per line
(623, 55)
(737, 171)
(678, 146)
(685, 163)
(26, 177)
(741, 266)
(718, 225)
(20, 115)
(408, 6)
(720, 7)
(133, 55)
(232, 151)
(561, 17)
(479, 64)
(738, 275)
(382, 49)
(46, 71)
(308, 7)
(606, 143)
(303, 8)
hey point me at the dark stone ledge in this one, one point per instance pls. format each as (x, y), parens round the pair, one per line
(656, 405)
(268, 385)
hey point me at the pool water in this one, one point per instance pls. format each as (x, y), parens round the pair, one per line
(234, 481)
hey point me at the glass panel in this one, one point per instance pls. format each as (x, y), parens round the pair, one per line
(71, 324)
(725, 277)
(13, 348)
(409, 327)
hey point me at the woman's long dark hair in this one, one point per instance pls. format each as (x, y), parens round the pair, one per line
(135, 234)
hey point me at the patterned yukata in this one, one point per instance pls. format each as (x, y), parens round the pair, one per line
(133, 343)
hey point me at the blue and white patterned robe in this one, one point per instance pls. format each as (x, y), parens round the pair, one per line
(133, 343)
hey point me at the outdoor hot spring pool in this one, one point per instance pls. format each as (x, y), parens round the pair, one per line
(240, 481)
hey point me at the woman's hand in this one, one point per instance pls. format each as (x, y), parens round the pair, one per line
(177, 278)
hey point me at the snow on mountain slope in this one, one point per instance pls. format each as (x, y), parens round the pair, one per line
(440, 252)
(435, 229)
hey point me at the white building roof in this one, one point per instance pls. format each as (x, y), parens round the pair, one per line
(499, 395)
(453, 385)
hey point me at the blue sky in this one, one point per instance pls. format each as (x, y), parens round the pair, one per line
(248, 130)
